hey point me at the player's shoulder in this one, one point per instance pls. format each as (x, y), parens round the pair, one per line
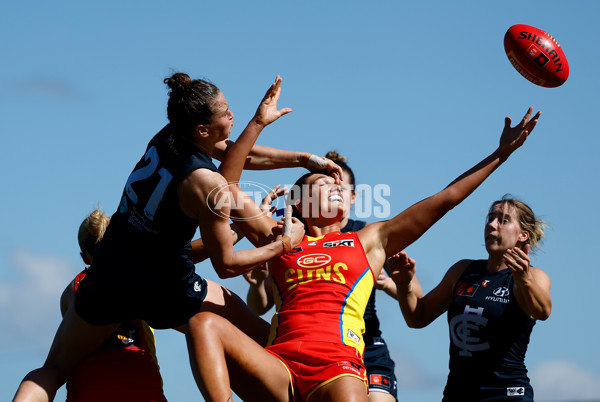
(204, 177)
(458, 268)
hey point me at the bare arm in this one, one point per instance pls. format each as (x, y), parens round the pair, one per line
(260, 296)
(244, 153)
(383, 239)
(264, 158)
(199, 199)
(532, 285)
(67, 297)
(267, 112)
(205, 196)
(420, 311)
(387, 284)
(199, 253)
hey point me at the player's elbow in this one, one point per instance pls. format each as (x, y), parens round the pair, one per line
(226, 273)
(223, 270)
(413, 321)
(544, 313)
(449, 198)
(258, 309)
(415, 324)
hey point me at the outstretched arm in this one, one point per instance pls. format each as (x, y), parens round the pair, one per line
(267, 158)
(383, 239)
(244, 153)
(267, 112)
(205, 196)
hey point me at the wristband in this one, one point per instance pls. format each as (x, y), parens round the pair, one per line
(304, 159)
(286, 244)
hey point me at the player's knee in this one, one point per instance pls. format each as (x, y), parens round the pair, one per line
(204, 323)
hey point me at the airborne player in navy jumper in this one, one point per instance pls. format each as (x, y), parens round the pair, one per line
(142, 269)
(492, 307)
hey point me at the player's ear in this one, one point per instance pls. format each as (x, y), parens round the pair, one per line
(201, 130)
(523, 236)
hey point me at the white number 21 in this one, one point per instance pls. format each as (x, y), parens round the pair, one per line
(144, 173)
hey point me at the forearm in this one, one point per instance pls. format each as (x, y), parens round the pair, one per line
(407, 227)
(466, 183)
(266, 158)
(534, 300)
(199, 253)
(258, 299)
(235, 159)
(389, 287)
(242, 261)
(410, 305)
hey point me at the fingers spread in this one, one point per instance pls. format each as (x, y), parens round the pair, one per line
(285, 110)
(527, 116)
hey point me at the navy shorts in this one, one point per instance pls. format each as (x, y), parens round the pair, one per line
(163, 302)
(380, 368)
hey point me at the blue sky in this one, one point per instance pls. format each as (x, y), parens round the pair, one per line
(414, 93)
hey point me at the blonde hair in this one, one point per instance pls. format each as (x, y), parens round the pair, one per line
(92, 230)
(527, 219)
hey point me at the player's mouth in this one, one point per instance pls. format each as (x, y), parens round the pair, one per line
(335, 197)
(491, 238)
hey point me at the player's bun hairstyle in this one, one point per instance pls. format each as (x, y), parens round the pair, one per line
(527, 220)
(342, 162)
(190, 103)
(91, 231)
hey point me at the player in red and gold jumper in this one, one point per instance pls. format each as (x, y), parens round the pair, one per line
(327, 279)
(321, 287)
(125, 367)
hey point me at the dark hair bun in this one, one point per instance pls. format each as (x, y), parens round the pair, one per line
(334, 156)
(178, 82)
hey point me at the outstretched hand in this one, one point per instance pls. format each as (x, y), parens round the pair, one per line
(266, 204)
(513, 137)
(402, 267)
(267, 111)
